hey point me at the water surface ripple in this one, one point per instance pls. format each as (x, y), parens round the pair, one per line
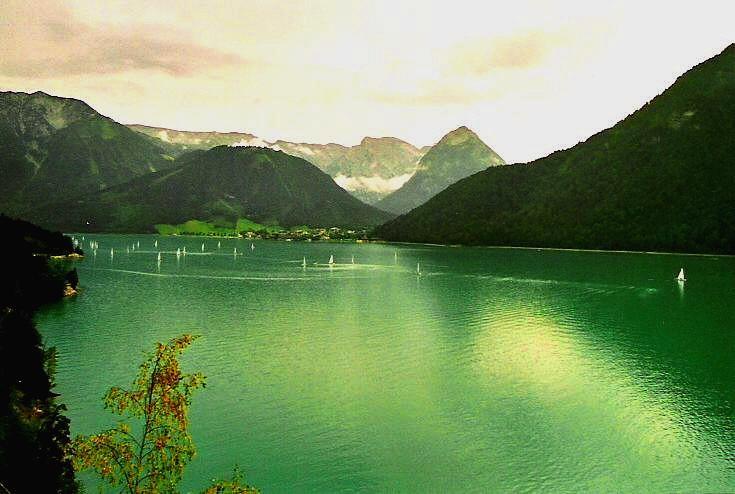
(496, 369)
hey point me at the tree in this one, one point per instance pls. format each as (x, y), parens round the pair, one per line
(151, 457)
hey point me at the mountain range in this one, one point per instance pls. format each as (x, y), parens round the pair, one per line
(55, 147)
(222, 185)
(661, 179)
(457, 155)
(369, 170)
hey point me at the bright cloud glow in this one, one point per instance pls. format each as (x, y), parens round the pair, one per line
(372, 184)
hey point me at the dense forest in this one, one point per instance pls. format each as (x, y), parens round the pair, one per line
(33, 429)
(223, 184)
(662, 179)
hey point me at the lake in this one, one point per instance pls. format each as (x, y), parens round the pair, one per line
(496, 369)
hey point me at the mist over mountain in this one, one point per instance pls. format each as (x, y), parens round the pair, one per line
(369, 170)
(661, 179)
(458, 154)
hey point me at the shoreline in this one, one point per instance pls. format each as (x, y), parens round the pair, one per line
(426, 244)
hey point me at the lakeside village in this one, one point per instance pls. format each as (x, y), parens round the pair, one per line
(304, 234)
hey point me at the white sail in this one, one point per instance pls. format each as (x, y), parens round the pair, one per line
(155, 244)
(252, 246)
(218, 244)
(303, 262)
(202, 246)
(681, 275)
(331, 259)
(418, 268)
(353, 260)
(159, 257)
(184, 251)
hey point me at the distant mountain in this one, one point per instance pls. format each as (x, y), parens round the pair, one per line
(662, 179)
(369, 170)
(222, 184)
(52, 148)
(457, 155)
(178, 142)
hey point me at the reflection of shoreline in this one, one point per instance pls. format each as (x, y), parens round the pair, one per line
(560, 249)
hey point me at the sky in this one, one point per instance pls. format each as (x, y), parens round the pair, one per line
(529, 76)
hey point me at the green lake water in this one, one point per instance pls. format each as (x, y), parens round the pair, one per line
(495, 370)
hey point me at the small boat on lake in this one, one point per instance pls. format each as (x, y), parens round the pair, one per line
(331, 260)
(681, 278)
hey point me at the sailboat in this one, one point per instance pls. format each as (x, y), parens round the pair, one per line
(252, 246)
(353, 260)
(681, 277)
(112, 253)
(234, 252)
(178, 253)
(155, 244)
(184, 251)
(159, 258)
(202, 246)
(418, 269)
(303, 263)
(331, 260)
(218, 244)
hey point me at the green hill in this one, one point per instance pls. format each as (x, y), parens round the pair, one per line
(369, 170)
(223, 184)
(662, 179)
(457, 155)
(53, 148)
